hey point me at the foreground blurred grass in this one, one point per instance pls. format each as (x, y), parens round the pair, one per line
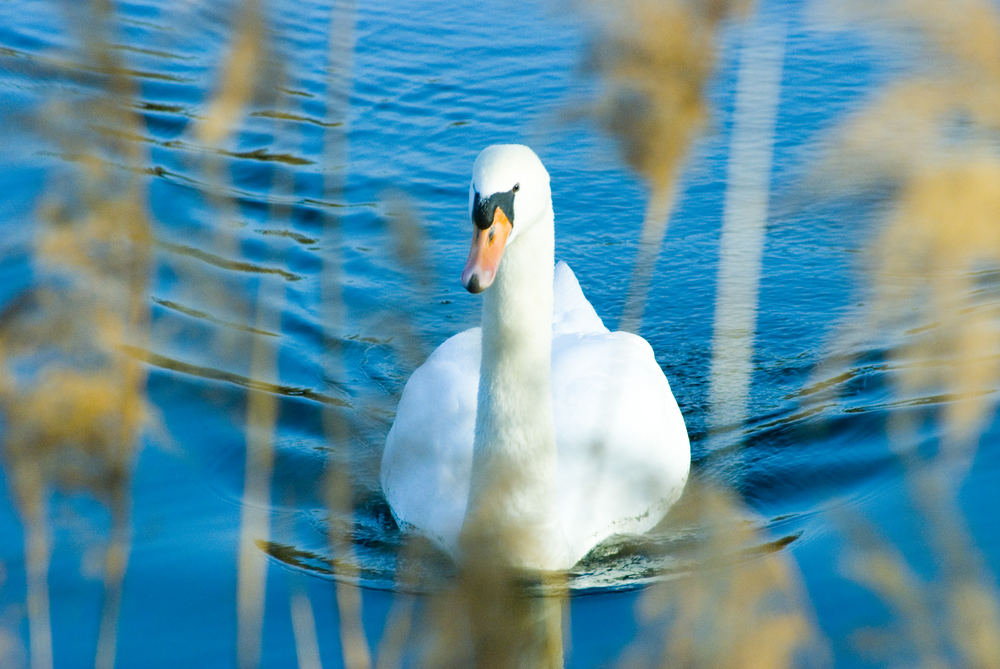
(930, 136)
(73, 400)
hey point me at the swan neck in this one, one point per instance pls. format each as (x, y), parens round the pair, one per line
(517, 311)
(512, 493)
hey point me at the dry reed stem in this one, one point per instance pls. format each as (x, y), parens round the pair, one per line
(750, 614)
(339, 487)
(407, 231)
(392, 646)
(137, 261)
(73, 422)
(115, 564)
(37, 553)
(874, 563)
(931, 135)
(255, 512)
(304, 630)
(240, 79)
(655, 61)
(745, 215)
(492, 616)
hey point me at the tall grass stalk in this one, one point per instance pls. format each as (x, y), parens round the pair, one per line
(137, 261)
(655, 60)
(304, 629)
(392, 646)
(751, 611)
(656, 66)
(238, 82)
(255, 513)
(744, 221)
(37, 551)
(339, 486)
(931, 136)
(73, 421)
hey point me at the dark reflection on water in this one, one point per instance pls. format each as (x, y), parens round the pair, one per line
(236, 379)
(383, 561)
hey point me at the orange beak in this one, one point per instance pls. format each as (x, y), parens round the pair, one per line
(484, 256)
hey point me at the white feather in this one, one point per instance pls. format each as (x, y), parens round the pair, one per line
(621, 452)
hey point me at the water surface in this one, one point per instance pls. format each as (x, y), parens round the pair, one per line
(304, 258)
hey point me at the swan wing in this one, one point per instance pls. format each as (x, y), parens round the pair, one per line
(571, 312)
(623, 448)
(428, 453)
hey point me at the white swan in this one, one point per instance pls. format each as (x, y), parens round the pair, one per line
(541, 433)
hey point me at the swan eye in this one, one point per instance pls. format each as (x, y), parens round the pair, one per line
(516, 188)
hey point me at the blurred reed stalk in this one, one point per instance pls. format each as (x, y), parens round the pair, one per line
(655, 59)
(74, 419)
(511, 625)
(656, 62)
(734, 608)
(339, 486)
(406, 230)
(136, 261)
(303, 620)
(931, 135)
(744, 220)
(255, 518)
(239, 80)
(490, 616)
(304, 630)
(393, 644)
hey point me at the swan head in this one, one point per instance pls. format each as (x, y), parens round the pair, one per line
(509, 194)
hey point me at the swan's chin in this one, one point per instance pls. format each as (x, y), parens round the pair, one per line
(474, 284)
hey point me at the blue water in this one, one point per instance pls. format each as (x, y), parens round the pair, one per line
(250, 240)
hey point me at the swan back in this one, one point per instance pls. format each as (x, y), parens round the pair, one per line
(572, 313)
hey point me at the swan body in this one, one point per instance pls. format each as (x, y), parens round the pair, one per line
(540, 433)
